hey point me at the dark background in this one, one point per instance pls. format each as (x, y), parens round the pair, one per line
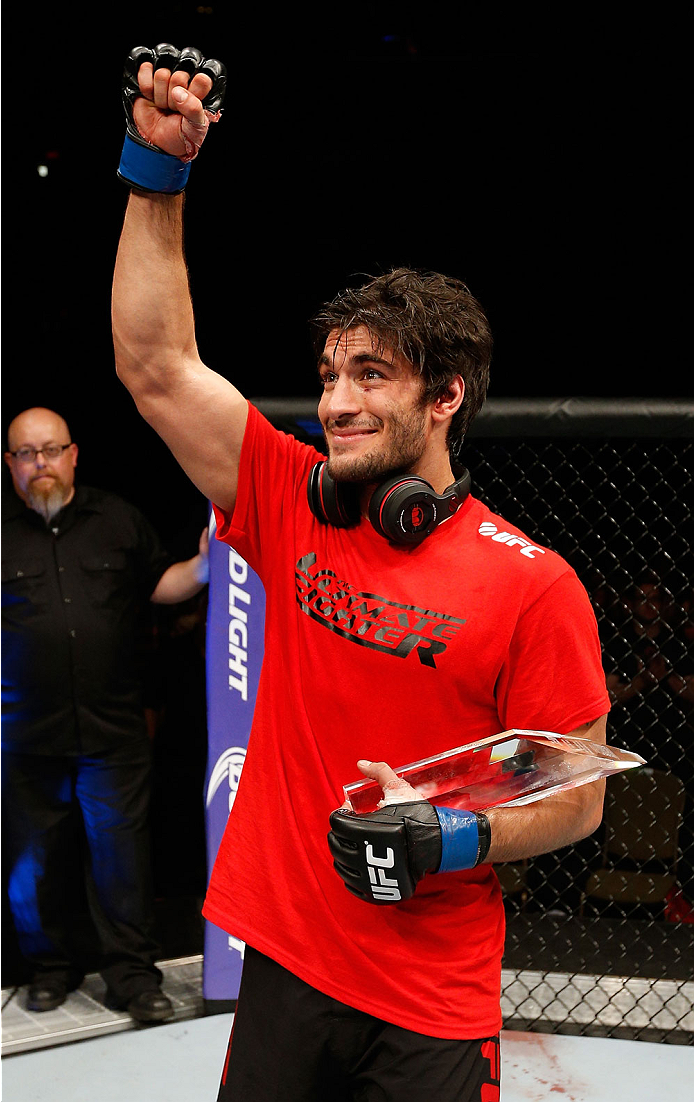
(536, 153)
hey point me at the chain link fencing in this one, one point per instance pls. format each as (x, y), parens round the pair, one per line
(600, 935)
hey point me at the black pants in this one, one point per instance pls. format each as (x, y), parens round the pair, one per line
(290, 1043)
(81, 821)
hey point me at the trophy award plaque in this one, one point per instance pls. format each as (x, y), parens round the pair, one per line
(509, 769)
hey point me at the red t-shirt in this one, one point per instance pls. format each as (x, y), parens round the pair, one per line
(390, 653)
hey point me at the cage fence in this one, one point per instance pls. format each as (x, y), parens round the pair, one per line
(600, 935)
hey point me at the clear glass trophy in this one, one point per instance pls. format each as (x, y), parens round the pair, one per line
(512, 768)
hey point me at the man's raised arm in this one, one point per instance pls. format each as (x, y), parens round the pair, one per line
(197, 412)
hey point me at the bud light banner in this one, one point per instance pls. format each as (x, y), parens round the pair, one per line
(235, 625)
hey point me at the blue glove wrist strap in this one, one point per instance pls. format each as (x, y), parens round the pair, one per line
(460, 839)
(152, 170)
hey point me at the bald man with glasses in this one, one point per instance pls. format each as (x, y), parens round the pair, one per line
(79, 567)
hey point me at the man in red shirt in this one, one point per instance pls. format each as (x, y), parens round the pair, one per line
(403, 617)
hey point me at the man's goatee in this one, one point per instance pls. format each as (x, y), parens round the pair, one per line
(49, 503)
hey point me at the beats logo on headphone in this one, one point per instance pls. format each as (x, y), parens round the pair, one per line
(404, 509)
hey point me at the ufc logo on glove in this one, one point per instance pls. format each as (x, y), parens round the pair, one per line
(382, 886)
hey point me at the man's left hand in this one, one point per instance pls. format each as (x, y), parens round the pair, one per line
(383, 855)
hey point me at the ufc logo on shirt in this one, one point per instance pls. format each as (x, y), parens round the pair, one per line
(382, 886)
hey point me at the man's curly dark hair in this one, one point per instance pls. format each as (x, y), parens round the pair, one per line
(429, 318)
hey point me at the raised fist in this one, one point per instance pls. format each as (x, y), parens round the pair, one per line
(171, 96)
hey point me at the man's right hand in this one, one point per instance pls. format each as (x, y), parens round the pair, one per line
(197, 412)
(170, 97)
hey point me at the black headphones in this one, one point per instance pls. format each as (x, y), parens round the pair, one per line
(404, 509)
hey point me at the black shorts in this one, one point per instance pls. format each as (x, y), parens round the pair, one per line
(291, 1043)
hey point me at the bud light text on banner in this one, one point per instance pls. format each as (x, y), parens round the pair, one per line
(234, 655)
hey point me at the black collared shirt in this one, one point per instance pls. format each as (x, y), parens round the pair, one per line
(73, 597)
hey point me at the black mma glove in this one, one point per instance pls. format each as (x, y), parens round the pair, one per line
(144, 165)
(382, 856)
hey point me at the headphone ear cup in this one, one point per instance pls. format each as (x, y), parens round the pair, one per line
(331, 502)
(313, 492)
(403, 509)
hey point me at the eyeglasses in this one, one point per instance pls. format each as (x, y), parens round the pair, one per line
(51, 451)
